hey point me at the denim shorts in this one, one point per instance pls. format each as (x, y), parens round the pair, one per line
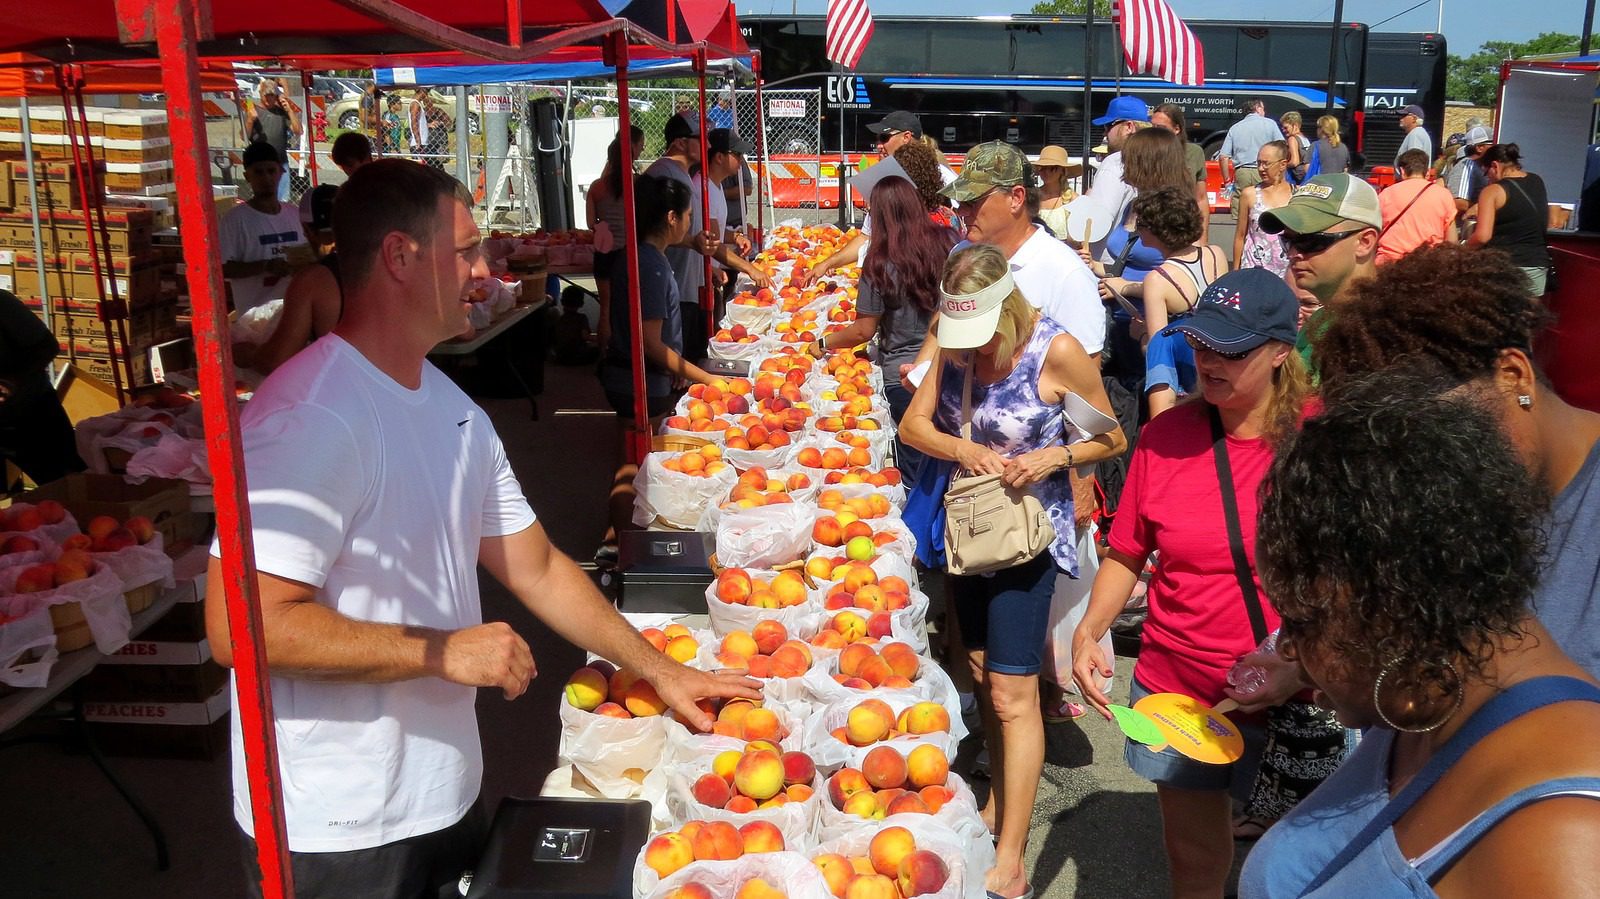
(1171, 768)
(1006, 613)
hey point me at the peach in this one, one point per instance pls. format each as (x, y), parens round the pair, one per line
(854, 683)
(902, 659)
(927, 718)
(764, 598)
(798, 768)
(798, 792)
(836, 872)
(142, 528)
(828, 639)
(682, 648)
(73, 565)
(853, 656)
(875, 671)
(719, 840)
(865, 726)
(691, 891)
(769, 635)
(762, 724)
(612, 710)
(621, 680)
(880, 625)
(906, 803)
(827, 532)
(790, 661)
(858, 575)
(759, 889)
(871, 597)
(77, 541)
(895, 682)
(52, 512)
(735, 585)
(742, 805)
(734, 710)
(884, 768)
(934, 797)
(872, 886)
(789, 587)
(759, 666)
(762, 746)
(759, 775)
(28, 519)
(846, 782)
(927, 766)
(921, 872)
(740, 643)
(668, 852)
(850, 626)
(121, 538)
(586, 689)
(655, 637)
(887, 848)
(761, 836)
(809, 457)
(642, 700)
(712, 790)
(862, 865)
(863, 805)
(885, 797)
(17, 543)
(36, 578)
(724, 764)
(820, 568)
(675, 630)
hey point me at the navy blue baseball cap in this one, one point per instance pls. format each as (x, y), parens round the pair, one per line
(1125, 109)
(1242, 310)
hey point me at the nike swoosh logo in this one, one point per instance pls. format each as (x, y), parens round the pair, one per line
(463, 421)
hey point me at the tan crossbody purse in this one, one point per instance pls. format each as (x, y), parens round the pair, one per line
(987, 525)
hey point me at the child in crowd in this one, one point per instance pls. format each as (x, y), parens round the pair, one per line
(574, 343)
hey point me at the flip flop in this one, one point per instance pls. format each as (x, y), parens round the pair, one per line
(1027, 894)
(1063, 711)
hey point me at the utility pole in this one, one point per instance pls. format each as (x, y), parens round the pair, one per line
(1333, 53)
(1588, 28)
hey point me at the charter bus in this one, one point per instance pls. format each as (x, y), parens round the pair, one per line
(1020, 78)
(1402, 69)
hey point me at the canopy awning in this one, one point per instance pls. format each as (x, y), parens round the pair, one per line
(26, 75)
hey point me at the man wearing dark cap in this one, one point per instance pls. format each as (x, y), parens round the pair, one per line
(255, 235)
(897, 129)
(687, 259)
(1417, 137)
(1330, 229)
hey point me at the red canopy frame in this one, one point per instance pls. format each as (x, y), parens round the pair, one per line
(176, 34)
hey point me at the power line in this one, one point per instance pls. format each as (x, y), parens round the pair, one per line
(1374, 26)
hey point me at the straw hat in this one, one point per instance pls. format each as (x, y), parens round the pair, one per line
(1053, 155)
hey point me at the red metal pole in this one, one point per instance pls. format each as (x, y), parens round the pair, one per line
(761, 154)
(707, 295)
(87, 183)
(513, 24)
(176, 26)
(639, 440)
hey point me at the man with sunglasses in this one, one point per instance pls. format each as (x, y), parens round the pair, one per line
(1330, 229)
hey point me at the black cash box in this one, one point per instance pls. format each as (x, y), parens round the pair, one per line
(665, 571)
(573, 848)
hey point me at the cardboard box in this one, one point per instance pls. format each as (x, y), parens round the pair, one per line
(54, 172)
(154, 682)
(134, 124)
(138, 176)
(163, 500)
(119, 151)
(168, 729)
(101, 367)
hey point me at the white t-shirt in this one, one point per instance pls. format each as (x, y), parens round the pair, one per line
(718, 202)
(1060, 285)
(377, 496)
(251, 236)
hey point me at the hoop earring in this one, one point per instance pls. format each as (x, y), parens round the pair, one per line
(1377, 701)
(1525, 401)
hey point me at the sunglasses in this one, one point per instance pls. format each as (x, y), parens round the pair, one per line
(1315, 242)
(975, 202)
(1199, 346)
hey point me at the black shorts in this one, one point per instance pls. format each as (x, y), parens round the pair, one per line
(426, 866)
(603, 263)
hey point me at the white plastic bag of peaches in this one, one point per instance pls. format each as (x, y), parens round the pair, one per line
(724, 345)
(676, 488)
(842, 734)
(45, 522)
(758, 487)
(888, 668)
(134, 550)
(840, 531)
(739, 723)
(27, 642)
(780, 657)
(909, 856)
(754, 875)
(740, 598)
(890, 781)
(869, 602)
(72, 575)
(764, 537)
(758, 782)
(612, 728)
(750, 314)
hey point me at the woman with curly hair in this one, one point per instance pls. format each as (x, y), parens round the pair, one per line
(921, 163)
(1480, 767)
(1467, 315)
(1191, 496)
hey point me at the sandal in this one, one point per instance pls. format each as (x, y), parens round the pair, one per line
(1250, 827)
(1063, 711)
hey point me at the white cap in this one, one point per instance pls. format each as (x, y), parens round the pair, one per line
(968, 320)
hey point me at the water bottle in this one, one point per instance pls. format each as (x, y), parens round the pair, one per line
(1247, 680)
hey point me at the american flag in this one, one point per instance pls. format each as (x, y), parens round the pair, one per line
(849, 29)
(1156, 42)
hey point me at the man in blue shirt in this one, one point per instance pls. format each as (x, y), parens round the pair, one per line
(1245, 139)
(721, 115)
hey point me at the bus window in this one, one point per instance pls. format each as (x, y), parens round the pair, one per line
(958, 47)
(899, 50)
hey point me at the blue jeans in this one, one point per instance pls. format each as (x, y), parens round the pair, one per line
(908, 459)
(1006, 613)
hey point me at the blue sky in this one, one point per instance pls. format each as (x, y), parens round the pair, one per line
(1467, 23)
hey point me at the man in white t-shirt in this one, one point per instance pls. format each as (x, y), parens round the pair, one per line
(682, 156)
(256, 235)
(377, 488)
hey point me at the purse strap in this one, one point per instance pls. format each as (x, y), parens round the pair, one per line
(1230, 511)
(966, 397)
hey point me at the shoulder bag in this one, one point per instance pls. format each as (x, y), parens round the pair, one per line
(988, 525)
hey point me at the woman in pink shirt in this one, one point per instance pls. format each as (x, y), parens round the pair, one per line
(1253, 387)
(1417, 212)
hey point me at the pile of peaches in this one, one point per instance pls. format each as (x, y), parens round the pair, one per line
(888, 783)
(872, 721)
(756, 488)
(765, 650)
(737, 586)
(893, 868)
(701, 462)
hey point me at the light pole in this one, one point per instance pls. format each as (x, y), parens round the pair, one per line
(1440, 29)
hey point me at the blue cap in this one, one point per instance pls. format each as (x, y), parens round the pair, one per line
(1125, 109)
(1242, 310)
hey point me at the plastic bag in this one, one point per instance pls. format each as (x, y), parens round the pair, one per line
(741, 352)
(756, 319)
(960, 813)
(968, 860)
(1069, 601)
(789, 871)
(45, 535)
(255, 325)
(931, 684)
(27, 642)
(680, 500)
(746, 459)
(795, 819)
(99, 596)
(172, 457)
(614, 754)
(685, 747)
(904, 545)
(727, 616)
(789, 692)
(831, 753)
(764, 537)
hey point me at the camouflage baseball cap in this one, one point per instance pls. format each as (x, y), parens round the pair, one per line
(990, 165)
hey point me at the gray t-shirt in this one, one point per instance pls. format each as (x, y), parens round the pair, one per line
(1417, 138)
(900, 330)
(687, 266)
(1332, 160)
(1568, 598)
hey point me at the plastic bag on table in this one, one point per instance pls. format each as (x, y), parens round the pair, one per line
(740, 352)
(99, 596)
(903, 545)
(171, 457)
(960, 813)
(790, 872)
(908, 625)
(795, 819)
(830, 753)
(136, 566)
(728, 616)
(931, 684)
(968, 863)
(677, 499)
(763, 537)
(757, 320)
(27, 642)
(746, 459)
(614, 754)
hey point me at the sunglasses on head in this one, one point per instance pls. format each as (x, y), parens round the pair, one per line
(1315, 242)
(1198, 346)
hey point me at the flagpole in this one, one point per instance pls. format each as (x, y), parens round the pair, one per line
(844, 189)
(1088, 92)
(1116, 32)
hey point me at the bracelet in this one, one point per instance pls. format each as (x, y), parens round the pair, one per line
(1069, 456)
